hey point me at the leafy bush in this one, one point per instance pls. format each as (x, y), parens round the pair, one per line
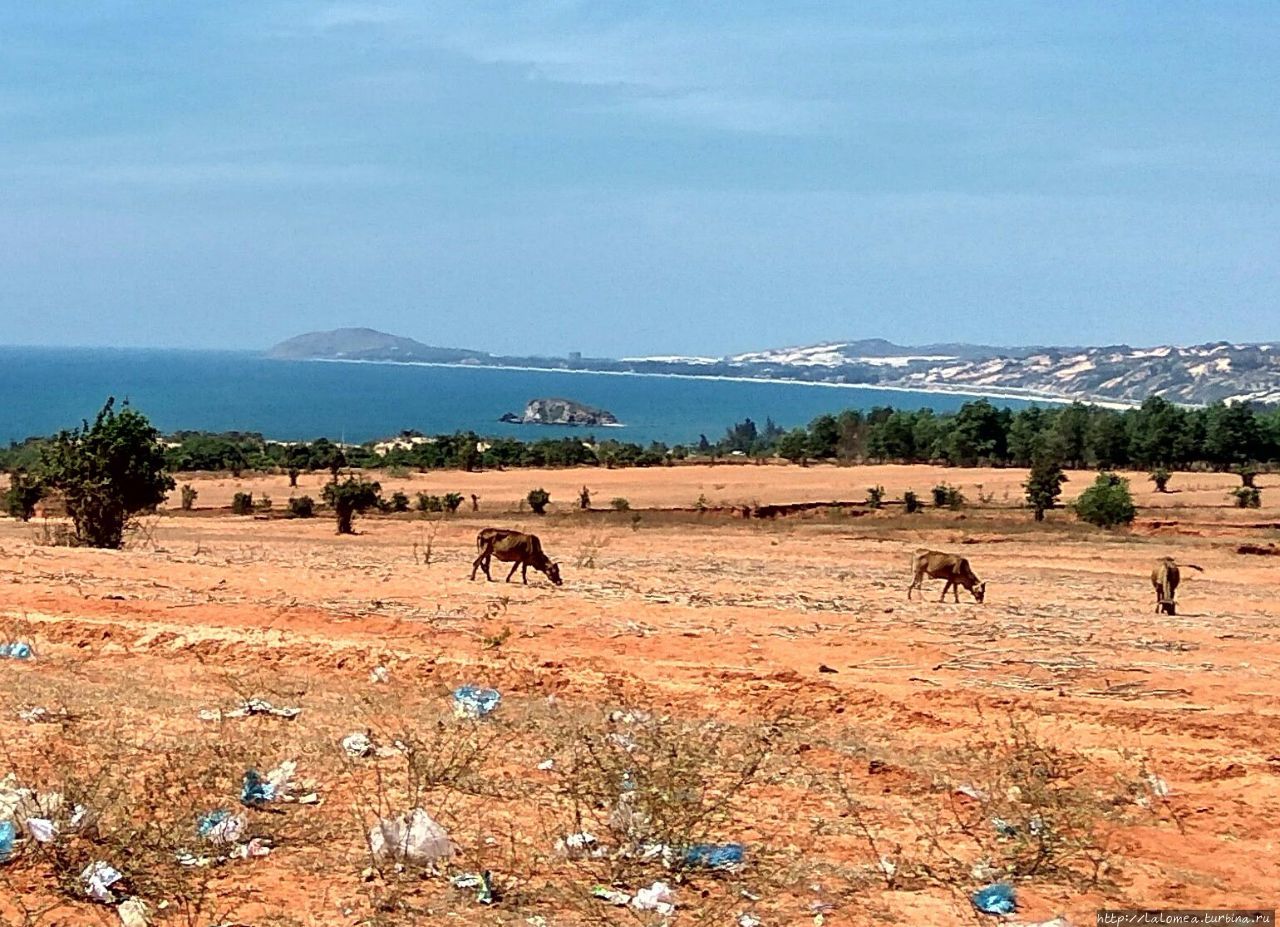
(399, 502)
(1247, 473)
(188, 497)
(875, 497)
(24, 492)
(350, 497)
(1160, 476)
(242, 503)
(107, 473)
(302, 507)
(911, 502)
(584, 498)
(538, 499)
(620, 505)
(947, 496)
(1044, 485)
(1247, 497)
(452, 501)
(293, 477)
(428, 503)
(263, 504)
(1107, 503)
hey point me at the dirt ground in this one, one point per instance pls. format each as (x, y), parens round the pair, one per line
(1146, 743)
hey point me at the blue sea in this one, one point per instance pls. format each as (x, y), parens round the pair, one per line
(43, 390)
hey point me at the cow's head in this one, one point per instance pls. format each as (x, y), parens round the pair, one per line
(553, 573)
(979, 592)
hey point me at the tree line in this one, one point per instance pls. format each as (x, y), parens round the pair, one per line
(1158, 434)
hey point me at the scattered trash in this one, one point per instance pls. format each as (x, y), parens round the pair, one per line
(412, 837)
(379, 674)
(475, 701)
(133, 913)
(1159, 788)
(221, 826)
(480, 881)
(98, 877)
(8, 834)
(714, 856)
(256, 790)
(258, 846)
(357, 744)
(888, 867)
(42, 830)
(17, 650)
(611, 895)
(41, 715)
(657, 897)
(252, 706)
(995, 899)
(1004, 828)
(984, 871)
(1058, 921)
(969, 791)
(578, 846)
(547, 765)
(748, 920)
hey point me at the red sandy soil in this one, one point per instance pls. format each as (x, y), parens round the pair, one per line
(722, 617)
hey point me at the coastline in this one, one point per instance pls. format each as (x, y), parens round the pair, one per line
(932, 389)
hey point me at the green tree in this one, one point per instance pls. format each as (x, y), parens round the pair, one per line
(107, 473)
(1044, 484)
(1071, 434)
(1160, 476)
(794, 446)
(1108, 440)
(978, 434)
(1233, 435)
(538, 500)
(1107, 503)
(350, 497)
(24, 492)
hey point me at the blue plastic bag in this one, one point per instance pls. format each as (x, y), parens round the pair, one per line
(8, 834)
(995, 899)
(475, 701)
(18, 650)
(256, 791)
(714, 856)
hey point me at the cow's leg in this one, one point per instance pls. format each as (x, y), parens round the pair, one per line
(945, 588)
(475, 565)
(955, 592)
(915, 584)
(524, 573)
(515, 566)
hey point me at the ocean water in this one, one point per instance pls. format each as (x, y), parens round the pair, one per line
(45, 389)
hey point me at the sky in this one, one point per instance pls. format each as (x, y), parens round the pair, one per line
(640, 177)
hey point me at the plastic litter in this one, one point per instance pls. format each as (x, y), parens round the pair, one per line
(357, 744)
(482, 882)
(1004, 828)
(8, 834)
(412, 837)
(970, 791)
(221, 826)
(657, 897)
(98, 877)
(995, 899)
(578, 846)
(258, 846)
(546, 765)
(1159, 788)
(611, 895)
(256, 790)
(39, 714)
(42, 830)
(133, 913)
(379, 674)
(475, 701)
(748, 920)
(252, 706)
(16, 650)
(714, 856)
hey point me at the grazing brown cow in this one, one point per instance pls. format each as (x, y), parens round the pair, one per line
(1165, 577)
(951, 567)
(520, 550)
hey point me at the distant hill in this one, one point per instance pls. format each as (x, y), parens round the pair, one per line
(367, 344)
(1193, 375)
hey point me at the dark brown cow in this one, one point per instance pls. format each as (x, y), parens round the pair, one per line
(951, 567)
(1165, 577)
(520, 550)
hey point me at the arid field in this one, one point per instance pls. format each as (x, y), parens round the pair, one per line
(754, 681)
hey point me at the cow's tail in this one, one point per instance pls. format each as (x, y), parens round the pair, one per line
(1198, 569)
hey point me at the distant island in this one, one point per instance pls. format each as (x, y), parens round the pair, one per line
(560, 412)
(1192, 375)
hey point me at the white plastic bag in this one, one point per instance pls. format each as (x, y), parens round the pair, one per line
(410, 838)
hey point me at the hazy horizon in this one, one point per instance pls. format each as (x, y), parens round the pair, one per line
(534, 178)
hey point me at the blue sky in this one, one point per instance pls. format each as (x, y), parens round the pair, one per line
(639, 177)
